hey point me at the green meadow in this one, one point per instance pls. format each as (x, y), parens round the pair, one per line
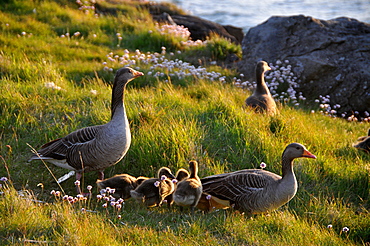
(57, 64)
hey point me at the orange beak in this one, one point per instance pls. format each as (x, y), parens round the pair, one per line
(307, 154)
(137, 74)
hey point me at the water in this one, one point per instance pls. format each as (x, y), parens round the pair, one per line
(249, 13)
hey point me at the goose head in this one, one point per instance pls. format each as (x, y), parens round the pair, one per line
(140, 179)
(182, 174)
(165, 171)
(296, 150)
(262, 67)
(193, 169)
(126, 74)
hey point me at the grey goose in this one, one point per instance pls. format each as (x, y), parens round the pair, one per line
(261, 99)
(256, 191)
(95, 148)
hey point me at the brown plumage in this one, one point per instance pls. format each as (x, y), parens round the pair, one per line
(95, 148)
(363, 143)
(153, 191)
(189, 190)
(256, 191)
(122, 183)
(261, 99)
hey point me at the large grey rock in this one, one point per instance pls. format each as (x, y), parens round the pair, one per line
(329, 57)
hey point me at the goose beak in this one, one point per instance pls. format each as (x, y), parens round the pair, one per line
(307, 154)
(137, 74)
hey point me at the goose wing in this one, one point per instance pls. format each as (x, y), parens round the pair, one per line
(58, 149)
(229, 186)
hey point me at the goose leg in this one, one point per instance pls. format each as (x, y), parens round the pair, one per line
(101, 174)
(192, 209)
(78, 177)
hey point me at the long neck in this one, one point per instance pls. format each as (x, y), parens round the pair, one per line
(287, 187)
(287, 167)
(261, 85)
(193, 168)
(117, 105)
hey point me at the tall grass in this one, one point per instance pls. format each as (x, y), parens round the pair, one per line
(52, 85)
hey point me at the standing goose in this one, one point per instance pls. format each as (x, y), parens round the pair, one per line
(261, 99)
(189, 190)
(256, 191)
(95, 148)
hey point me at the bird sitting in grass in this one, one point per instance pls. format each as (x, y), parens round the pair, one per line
(256, 191)
(363, 143)
(189, 190)
(261, 100)
(152, 192)
(121, 183)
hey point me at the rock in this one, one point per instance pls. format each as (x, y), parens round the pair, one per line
(165, 18)
(329, 57)
(200, 28)
(169, 13)
(237, 32)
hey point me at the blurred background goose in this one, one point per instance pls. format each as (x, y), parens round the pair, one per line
(363, 143)
(95, 148)
(189, 190)
(152, 192)
(261, 99)
(256, 191)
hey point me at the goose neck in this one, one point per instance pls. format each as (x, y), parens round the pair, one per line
(261, 85)
(117, 106)
(193, 168)
(287, 167)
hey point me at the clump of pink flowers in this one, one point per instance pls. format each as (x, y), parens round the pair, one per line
(174, 30)
(86, 6)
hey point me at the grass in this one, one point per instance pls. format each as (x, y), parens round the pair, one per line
(173, 120)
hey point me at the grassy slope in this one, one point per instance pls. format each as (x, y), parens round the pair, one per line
(171, 124)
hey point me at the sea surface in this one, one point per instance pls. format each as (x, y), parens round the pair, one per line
(249, 13)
